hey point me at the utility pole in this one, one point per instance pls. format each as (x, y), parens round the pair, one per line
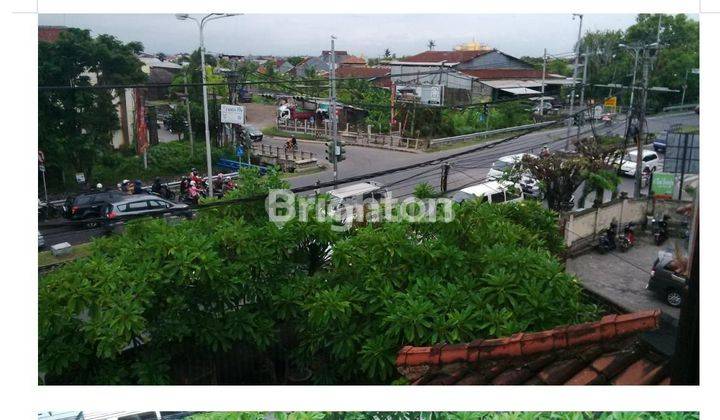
(582, 94)
(444, 177)
(333, 110)
(572, 93)
(189, 122)
(682, 101)
(542, 89)
(641, 125)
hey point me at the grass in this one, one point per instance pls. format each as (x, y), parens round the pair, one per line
(46, 258)
(689, 129)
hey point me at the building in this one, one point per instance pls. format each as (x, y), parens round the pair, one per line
(473, 75)
(321, 63)
(50, 33)
(379, 75)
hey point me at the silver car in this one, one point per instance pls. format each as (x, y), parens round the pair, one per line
(142, 205)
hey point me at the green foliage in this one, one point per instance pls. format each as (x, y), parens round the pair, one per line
(165, 160)
(350, 300)
(75, 127)
(424, 190)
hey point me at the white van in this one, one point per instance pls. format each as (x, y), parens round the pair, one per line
(490, 192)
(354, 195)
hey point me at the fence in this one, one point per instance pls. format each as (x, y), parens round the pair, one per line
(473, 136)
(355, 137)
(281, 153)
(679, 107)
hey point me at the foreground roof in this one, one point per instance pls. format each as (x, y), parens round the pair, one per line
(603, 352)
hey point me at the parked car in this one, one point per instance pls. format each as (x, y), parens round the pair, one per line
(650, 161)
(140, 205)
(490, 192)
(254, 133)
(529, 185)
(660, 145)
(89, 206)
(665, 281)
(352, 195)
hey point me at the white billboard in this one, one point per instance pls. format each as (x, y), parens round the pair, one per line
(425, 94)
(232, 114)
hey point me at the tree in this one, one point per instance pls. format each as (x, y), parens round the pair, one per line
(559, 174)
(431, 45)
(76, 126)
(387, 54)
(177, 123)
(161, 56)
(295, 60)
(146, 304)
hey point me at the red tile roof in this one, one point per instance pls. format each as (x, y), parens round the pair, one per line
(449, 56)
(489, 74)
(351, 59)
(602, 352)
(366, 72)
(50, 33)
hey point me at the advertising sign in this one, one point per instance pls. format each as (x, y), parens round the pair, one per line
(141, 134)
(611, 101)
(232, 114)
(80, 177)
(663, 185)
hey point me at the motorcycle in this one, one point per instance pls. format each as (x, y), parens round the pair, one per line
(660, 229)
(606, 242)
(607, 120)
(627, 239)
(165, 193)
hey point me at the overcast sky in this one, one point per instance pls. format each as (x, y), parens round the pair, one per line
(515, 34)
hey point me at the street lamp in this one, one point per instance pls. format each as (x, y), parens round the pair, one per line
(201, 25)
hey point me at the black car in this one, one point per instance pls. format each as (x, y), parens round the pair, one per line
(254, 133)
(665, 282)
(89, 206)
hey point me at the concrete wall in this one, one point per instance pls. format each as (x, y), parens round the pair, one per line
(583, 226)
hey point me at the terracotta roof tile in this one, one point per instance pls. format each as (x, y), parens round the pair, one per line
(601, 352)
(448, 56)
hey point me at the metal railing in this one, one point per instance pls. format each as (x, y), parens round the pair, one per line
(679, 107)
(282, 153)
(472, 136)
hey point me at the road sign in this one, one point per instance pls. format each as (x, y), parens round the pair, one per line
(611, 101)
(80, 177)
(663, 184)
(239, 151)
(695, 71)
(41, 168)
(41, 157)
(232, 114)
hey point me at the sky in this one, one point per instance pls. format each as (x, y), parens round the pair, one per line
(366, 34)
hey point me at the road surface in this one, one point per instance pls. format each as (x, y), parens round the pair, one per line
(465, 170)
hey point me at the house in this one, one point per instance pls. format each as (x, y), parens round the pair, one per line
(379, 75)
(608, 351)
(472, 76)
(321, 64)
(159, 72)
(50, 33)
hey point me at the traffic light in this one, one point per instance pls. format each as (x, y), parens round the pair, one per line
(329, 151)
(340, 151)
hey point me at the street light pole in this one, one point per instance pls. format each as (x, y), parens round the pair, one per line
(201, 25)
(572, 93)
(542, 92)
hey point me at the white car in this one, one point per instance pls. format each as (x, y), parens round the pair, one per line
(528, 184)
(490, 192)
(629, 162)
(353, 195)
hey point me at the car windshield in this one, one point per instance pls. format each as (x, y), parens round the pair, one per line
(501, 165)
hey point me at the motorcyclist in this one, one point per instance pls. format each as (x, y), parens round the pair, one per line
(184, 185)
(218, 182)
(193, 192)
(293, 142)
(156, 186)
(125, 186)
(545, 152)
(138, 187)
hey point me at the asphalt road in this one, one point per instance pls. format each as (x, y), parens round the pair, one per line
(466, 170)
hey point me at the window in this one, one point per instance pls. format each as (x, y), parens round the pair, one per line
(157, 204)
(512, 194)
(137, 205)
(648, 158)
(498, 197)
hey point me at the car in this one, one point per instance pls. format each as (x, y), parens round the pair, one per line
(140, 205)
(660, 145)
(649, 157)
(529, 185)
(490, 192)
(88, 206)
(665, 281)
(353, 195)
(254, 133)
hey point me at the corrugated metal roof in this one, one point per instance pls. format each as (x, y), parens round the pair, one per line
(520, 91)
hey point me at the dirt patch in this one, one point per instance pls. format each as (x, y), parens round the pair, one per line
(261, 115)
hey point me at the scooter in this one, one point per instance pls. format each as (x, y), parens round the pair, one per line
(660, 229)
(606, 242)
(627, 239)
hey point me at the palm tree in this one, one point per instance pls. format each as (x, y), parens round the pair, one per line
(431, 45)
(387, 53)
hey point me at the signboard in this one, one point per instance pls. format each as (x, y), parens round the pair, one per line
(682, 153)
(426, 94)
(663, 185)
(232, 114)
(695, 71)
(611, 101)
(239, 151)
(41, 168)
(80, 177)
(141, 135)
(41, 157)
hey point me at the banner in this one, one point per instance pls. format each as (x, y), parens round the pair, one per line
(663, 185)
(141, 136)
